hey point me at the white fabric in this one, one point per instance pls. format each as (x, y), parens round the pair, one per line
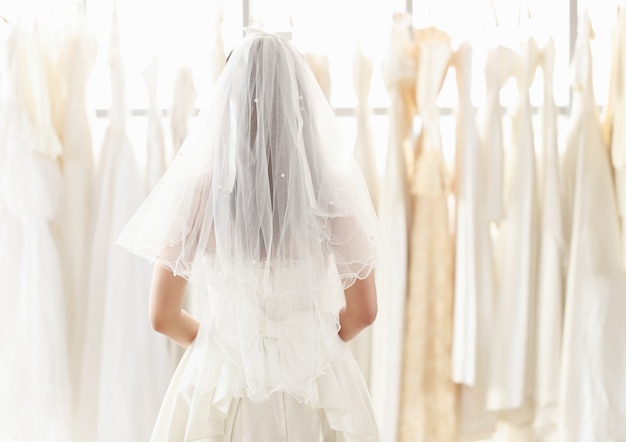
(34, 382)
(616, 116)
(125, 364)
(183, 107)
(474, 290)
(364, 154)
(339, 411)
(321, 70)
(279, 216)
(156, 159)
(551, 276)
(217, 59)
(76, 59)
(474, 269)
(399, 76)
(364, 143)
(511, 362)
(592, 404)
(499, 68)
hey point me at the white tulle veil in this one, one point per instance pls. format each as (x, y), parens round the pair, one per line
(262, 192)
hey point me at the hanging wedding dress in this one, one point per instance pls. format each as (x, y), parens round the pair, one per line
(474, 279)
(183, 107)
(501, 62)
(321, 70)
(35, 391)
(364, 144)
(125, 366)
(511, 372)
(614, 120)
(156, 160)
(76, 61)
(217, 58)
(399, 76)
(551, 284)
(364, 154)
(592, 404)
(428, 395)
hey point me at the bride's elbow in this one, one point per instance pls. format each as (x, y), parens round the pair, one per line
(160, 320)
(369, 314)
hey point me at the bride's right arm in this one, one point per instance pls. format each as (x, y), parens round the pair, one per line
(361, 307)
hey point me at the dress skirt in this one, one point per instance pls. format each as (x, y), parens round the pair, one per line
(340, 411)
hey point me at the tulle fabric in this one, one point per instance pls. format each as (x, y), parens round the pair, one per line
(277, 211)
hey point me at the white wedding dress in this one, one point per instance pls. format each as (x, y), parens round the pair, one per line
(511, 361)
(551, 277)
(365, 157)
(592, 404)
(474, 279)
(126, 367)
(77, 58)
(387, 332)
(616, 112)
(156, 157)
(35, 391)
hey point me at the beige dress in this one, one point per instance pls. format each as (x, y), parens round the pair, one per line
(428, 395)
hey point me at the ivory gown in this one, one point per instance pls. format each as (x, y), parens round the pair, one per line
(615, 130)
(511, 372)
(551, 277)
(35, 393)
(592, 403)
(474, 279)
(156, 159)
(399, 76)
(321, 70)
(364, 144)
(499, 67)
(76, 60)
(361, 346)
(183, 107)
(428, 395)
(126, 368)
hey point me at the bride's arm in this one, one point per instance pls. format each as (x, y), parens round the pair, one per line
(361, 308)
(166, 313)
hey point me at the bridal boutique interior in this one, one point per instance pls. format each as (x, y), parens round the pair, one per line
(490, 134)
